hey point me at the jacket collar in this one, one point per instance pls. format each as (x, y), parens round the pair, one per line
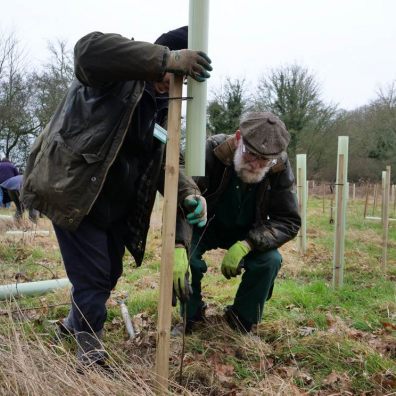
(225, 150)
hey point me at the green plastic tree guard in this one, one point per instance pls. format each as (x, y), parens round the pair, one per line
(31, 288)
(196, 108)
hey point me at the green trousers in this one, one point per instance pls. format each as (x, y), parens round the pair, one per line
(259, 273)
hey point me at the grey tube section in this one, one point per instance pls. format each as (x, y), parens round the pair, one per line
(127, 320)
(32, 288)
(196, 108)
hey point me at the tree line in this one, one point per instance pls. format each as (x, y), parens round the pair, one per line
(293, 94)
(28, 98)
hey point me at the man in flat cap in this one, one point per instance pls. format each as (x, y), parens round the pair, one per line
(96, 167)
(252, 211)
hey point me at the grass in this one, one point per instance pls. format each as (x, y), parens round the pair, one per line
(313, 339)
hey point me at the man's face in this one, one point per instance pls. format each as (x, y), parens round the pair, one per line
(250, 167)
(162, 86)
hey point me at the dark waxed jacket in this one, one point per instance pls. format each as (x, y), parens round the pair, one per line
(70, 159)
(277, 220)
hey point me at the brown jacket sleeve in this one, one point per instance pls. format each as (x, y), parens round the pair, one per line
(100, 59)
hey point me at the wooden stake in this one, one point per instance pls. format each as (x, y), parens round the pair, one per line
(383, 195)
(394, 199)
(324, 193)
(375, 198)
(385, 218)
(168, 234)
(366, 201)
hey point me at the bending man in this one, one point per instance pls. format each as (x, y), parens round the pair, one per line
(252, 211)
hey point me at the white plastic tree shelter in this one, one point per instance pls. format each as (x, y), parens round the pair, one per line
(340, 220)
(196, 107)
(302, 185)
(385, 216)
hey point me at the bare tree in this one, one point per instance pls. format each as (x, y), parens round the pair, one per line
(293, 94)
(386, 96)
(225, 110)
(53, 81)
(16, 122)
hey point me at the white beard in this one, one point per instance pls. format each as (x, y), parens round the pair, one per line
(245, 172)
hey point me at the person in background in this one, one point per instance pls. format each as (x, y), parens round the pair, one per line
(13, 187)
(252, 211)
(96, 167)
(7, 170)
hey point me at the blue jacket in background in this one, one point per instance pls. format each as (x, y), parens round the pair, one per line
(7, 170)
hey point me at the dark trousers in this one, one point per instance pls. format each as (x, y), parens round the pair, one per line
(259, 273)
(93, 262)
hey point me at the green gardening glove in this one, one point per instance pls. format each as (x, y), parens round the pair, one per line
(231, 264)
(181, 275)
(196, 205)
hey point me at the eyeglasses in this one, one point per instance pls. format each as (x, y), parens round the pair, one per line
(257, 157)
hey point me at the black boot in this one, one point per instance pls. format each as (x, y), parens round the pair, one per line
(90, 349)
(235, 321)
(199, 317)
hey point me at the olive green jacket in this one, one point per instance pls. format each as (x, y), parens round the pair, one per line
(70, 159)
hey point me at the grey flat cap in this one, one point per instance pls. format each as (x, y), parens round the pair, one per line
(264, 134)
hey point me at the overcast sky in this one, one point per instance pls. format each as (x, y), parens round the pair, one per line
(349, 45)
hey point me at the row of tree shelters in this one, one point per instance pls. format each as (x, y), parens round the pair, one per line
(340, 193)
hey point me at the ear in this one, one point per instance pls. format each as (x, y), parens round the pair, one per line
(238, 138)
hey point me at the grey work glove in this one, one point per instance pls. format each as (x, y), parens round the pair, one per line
(196, 205)
(195, 64)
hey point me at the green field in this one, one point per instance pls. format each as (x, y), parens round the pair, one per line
(314, 339)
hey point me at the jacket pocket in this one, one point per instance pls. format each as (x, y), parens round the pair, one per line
(62, 176)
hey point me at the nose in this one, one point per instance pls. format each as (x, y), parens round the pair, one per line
(255, 164)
